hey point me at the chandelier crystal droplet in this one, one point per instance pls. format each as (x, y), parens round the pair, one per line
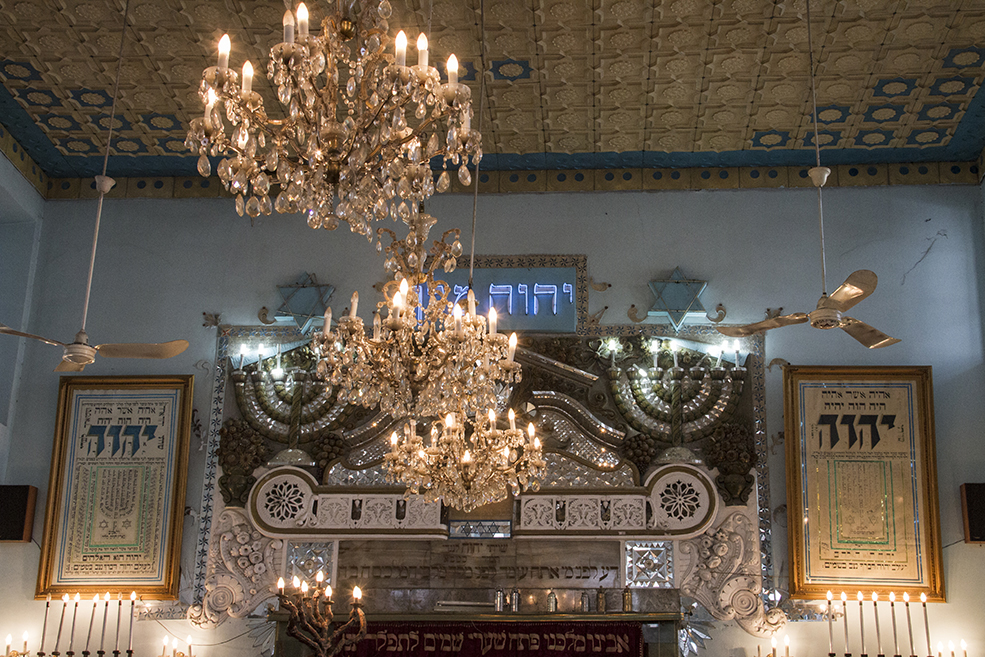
(357, 129)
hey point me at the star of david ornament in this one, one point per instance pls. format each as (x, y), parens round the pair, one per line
(677, 297)
(305, 300)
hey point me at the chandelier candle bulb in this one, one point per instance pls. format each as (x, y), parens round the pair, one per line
(940, 649)
(75, 613)
(25, 645)
(512, 348)
(304, 587)
(456, 313)
(453, 71)
(735, 348)
(224, 45)
(280, 584)
(493, 321)
(926, 622)
(6, 650)
(247, 78)
(328, 594)
(44, 625)
(327, 326)
(174, 647)
(831, 630)
(950, 646)
(422, 51)
(892, 614)
(302, 21)
(909, 623)
(288, 27)
(471, 298)
(964, 646)
(61, 621)
(773, 644)
(512, 417)
(355, 305)
(400, 48)
(296, 581)
(844, 616)
(377, 326)
(188, 640)
(164, 650)
(786, 646)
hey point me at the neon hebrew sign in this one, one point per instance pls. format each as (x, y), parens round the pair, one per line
(526, 299)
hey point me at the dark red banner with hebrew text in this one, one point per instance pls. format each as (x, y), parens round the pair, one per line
(491, 639)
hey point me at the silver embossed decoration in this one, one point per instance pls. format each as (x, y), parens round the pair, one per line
(650, 564)
(306, 560)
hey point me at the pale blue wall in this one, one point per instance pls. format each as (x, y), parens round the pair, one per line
(162, 263)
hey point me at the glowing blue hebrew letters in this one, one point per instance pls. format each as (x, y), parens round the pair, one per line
(499, 290)
(521, 288)
(568, 289)
(545, 289)
(459, 292)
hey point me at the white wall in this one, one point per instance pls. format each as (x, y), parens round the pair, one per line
(162, 263)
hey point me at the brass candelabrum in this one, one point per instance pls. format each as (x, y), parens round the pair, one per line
(311, 620)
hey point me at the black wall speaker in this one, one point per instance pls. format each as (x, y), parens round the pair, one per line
(17, 513)
(973, 509)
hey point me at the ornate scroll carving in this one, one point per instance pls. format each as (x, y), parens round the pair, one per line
(288, 502)
(242, 567)
(723, 574)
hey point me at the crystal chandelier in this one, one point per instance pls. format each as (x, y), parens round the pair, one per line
(467, 462)
(359, 129)
(426, 356)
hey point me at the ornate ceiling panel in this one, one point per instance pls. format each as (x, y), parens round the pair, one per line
(570, 84)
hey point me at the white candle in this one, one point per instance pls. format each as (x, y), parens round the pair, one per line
(174, 647)
(512, 417)
(492, 321)
(92, 617)
(188, 640)
(377, 326)
(512, 349)
(302, 21)
(288, 27)
(247, 77)
(44, 625)
(400, 48)
(844, 616)
(10, 639)
(786, 646)
(102, 637)
(452, 69)
(471, 297)
(24, 651)
(422, 51)
(71, 632)
(861, 621)
(735, 347)
(909, 623)
(357, 594)
(133, 602)
(58, 637)
(831, 629)
(940, 649)
(224, 46)
(165, 648)
(355, 305)
(119, 616)
(964, 646)
(720, 350)
(950, 646)
(280, 584)
(875, 610)
(327, 326)
(926, 623)
(773, 643)
(892, 613)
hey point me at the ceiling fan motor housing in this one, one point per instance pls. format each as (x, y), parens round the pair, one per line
(825, 318)
(79, 352)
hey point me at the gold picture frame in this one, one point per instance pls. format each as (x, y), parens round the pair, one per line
(116, 495)
(862, 481)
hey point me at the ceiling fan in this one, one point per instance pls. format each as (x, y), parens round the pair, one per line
(79, 353)
(830, 311)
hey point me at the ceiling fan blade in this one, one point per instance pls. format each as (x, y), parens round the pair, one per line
(868, 336)
(69, 366)
(9, 331)
(856, 287)
(765, 325)
(139, 350)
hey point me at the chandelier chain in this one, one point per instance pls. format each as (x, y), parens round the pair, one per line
(482, 102)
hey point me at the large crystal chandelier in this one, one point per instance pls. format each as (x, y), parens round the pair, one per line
(426, 356)
(359, 127)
